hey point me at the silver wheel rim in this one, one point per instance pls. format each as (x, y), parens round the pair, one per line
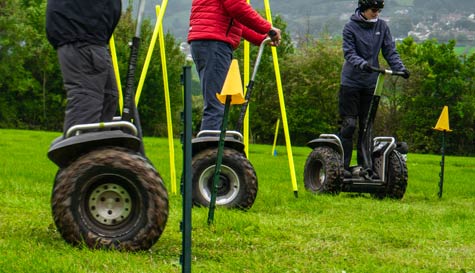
(110, 204)
(321, 174)
(232, 181)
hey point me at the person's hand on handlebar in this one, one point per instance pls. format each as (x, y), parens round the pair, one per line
(366, 67)
(274, 34)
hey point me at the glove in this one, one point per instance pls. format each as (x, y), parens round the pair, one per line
(406, 74)
(365, 67)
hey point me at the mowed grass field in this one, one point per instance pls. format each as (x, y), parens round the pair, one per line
(280, 233)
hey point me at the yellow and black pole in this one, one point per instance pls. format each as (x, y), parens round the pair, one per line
(232, 93)
(443, 126)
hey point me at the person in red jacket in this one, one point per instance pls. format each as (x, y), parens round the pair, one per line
(216, 29)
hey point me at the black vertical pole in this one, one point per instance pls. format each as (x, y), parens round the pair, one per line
(442, 163)
(186, 186)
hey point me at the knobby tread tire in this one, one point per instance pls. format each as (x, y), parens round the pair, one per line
(397, 177)
(234, 160)
(326, 160)
(147, 218)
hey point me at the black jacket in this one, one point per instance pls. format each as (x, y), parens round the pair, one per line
(91, 21)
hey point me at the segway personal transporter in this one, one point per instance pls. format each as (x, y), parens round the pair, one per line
(237, 185)
(384, 172)
(106, 193)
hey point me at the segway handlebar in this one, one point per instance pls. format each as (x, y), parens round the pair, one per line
(387, 71)
(251, 83)
(259, 56)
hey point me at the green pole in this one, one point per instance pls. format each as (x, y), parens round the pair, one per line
(185, 226)
(442, 163)
(217, 169)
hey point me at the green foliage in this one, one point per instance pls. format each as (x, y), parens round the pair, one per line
(439, 77)
(311, 83)
(28, 88)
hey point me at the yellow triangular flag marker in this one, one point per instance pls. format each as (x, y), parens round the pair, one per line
(443, 122)
(232, 86)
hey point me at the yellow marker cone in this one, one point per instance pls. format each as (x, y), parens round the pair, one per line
(443, 122)
(232, 86)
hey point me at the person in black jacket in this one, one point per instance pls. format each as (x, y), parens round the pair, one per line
(364, 37)
(80, 30)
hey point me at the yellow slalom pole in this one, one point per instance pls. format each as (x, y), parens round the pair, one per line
(115, 65)
(245, 130)
(275, 136)
(282, 107)
(143, 75)
(171, 146)
(158, 32)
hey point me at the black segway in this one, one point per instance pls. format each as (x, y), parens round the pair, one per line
(384, 172)
(106, 193)
(237, 184)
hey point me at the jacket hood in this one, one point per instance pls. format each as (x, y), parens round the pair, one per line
(358, 18)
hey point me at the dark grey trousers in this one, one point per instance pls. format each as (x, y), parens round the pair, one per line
(90, 83)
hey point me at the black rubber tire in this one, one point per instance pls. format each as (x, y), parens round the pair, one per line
(237, 187)
(323, 172)
(110, 198)
(396, 178)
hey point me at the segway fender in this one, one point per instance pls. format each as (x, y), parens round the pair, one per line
(64, 151)
(326, 140)
(202, 143)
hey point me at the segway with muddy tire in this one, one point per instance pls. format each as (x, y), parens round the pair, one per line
(384, 172)
(106, 193)
(237, 186)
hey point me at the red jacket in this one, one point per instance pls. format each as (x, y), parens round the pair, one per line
(227, 21)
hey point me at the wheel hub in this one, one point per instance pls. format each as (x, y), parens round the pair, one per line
(109, 204)
(228, 184)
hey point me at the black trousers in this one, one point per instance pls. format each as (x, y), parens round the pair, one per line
(354, 103)
(90, 84)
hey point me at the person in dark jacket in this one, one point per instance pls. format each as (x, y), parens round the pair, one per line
(80, 30)
(216, 28)
(364, 37)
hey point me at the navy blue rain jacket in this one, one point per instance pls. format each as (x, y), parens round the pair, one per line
(362, 42)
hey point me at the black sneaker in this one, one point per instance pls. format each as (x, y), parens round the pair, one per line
(346, 173)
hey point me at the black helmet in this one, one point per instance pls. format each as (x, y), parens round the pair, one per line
(369, 4)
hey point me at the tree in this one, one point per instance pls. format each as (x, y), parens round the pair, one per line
(440, 77)
(26, 58)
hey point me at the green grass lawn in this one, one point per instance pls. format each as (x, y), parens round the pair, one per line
(280, 233)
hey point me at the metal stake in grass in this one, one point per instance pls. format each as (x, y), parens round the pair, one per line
(230, 94)
(443, 126)
(185, 226)
(219, 160)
